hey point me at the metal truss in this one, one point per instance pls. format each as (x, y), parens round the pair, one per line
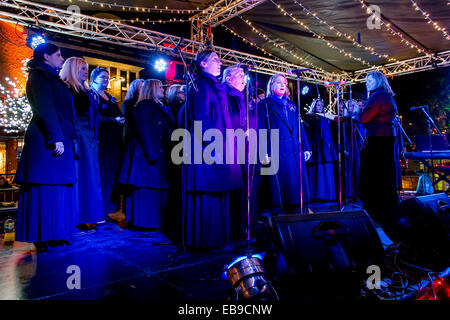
(51, 19)
(218, 13)
(403, 67)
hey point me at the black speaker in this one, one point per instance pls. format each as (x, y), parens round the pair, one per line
(329, 250)
(421, 222)
(331, 241)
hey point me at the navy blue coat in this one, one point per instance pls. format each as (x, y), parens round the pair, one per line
(320, 138)
(53, 121)
(147, 154)
(209, 105)
(289, 157)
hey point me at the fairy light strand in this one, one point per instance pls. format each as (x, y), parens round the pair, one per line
(426, 16)
(280, 46)
(321, 37)
(398, 34)
(342, 34)
(164, 9)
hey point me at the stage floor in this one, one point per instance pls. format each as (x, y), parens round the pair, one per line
(117, 263)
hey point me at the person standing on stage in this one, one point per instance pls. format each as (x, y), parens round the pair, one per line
(234, 77)
(109, 139)
(128, 104)
(46, 172)
(74, 73)
(378, 171)
(144, 168)
(209, 183)
(282, 190)
(176, 94)
(321, 164)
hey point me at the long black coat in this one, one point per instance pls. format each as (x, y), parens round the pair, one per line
(147, 154)
(289, 157)
(209, 105)
(53, 121)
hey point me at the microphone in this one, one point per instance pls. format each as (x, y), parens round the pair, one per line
(297, 71)
(334, 83)
(177, 47)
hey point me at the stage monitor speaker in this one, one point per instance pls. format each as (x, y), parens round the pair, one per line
(421, 221)
(322, 245)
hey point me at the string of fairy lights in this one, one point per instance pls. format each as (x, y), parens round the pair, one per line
(155, 9)
(148, 21)
(426, 15)
(280, 46)
(342, 34)
(321, 37)
(393, 32)
(15, 110)
(249, 42)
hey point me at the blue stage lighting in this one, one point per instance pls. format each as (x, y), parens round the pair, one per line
(305, 90)
(160, 65)
(36, 40)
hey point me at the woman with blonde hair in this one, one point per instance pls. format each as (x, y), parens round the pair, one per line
(176, 95)
(378, 161)
(146, 158)
(278, 112)
(74, 73)
(127, 105)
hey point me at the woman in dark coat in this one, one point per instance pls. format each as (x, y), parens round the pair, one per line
(234, 77)
(46, 172)
(74, 73)
(378, 172)
(127, 106)
(144, 168)
(321, 164)
(278, 112)
(110, 126)
(209, 183)
(176, 94)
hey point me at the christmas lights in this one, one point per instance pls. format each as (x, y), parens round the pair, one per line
(15, 110)
(398, 34)
(426, 15)
(345, 35)
(140, 9)
(321, 37)
(280, 46)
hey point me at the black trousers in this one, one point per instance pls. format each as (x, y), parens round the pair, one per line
(378, 177)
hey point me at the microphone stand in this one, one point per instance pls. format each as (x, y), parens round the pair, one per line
(189, 80)
(339, 148)
(431, 122)
(300, 143)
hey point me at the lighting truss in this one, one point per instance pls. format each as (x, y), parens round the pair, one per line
(218, 13)
(56, 20)
(413, 65)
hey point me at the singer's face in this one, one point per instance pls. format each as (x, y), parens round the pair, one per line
(237, 80)
(371, 83)
(160, 90)
(279, 86)
(212, 64)
(102, 80)
(54, 60)
(319, 106)
(83, 73)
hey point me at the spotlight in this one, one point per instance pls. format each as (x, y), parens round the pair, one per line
(160, 65)
(247, 276)
(305, 90)
(34, 40)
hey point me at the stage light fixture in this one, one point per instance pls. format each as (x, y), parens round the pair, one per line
(305, 90)
(248, 279)
(160, 65)
(35, 39)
